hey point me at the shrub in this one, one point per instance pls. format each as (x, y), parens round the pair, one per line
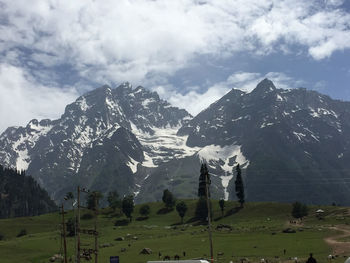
(121, 222)
(145, 210)
(21, 233)
(70, 227)
(87, 216)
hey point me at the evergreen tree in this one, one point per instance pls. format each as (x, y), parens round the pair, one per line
(181, 209)
(204, 179)
(201, 212)
(145, 210)
(90, 199)
(168, 199)
(70, 227)
(239, 187)
(128, 206)
(222, 206)
(21, 195)
(299, 210)
(113, 200)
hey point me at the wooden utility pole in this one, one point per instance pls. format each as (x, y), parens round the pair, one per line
(64, 235)
(78, 225)
(209, 216)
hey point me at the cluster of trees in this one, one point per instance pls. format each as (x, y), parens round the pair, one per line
(126, 205)
(201, 211)
(21, 195)
(170, 201)
(299, 210)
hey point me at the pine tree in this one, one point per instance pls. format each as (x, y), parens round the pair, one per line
(145, 210)
(299, 210)
(239, 187)
(128, 206)
(222, 206)
(201, 211)
(204, 179)
(181, 209)
(90, 199)
(113, 200)
(168, 199)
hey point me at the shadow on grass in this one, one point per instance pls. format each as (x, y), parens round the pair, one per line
(122, 222)
(196, 221)
(142, 218)
(233, 211)
(164, 210)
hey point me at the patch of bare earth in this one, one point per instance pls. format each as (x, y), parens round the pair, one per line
(339, 247)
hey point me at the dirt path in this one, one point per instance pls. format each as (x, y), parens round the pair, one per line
(338, 247)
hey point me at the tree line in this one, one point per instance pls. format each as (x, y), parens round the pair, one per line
(21, 195)
(126, 204)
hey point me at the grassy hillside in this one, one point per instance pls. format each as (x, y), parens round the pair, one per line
(256, 233)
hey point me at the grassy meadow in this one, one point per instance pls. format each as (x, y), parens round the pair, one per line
(256, 233)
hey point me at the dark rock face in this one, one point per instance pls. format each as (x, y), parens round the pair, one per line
(292, 145)
(92, 144)
(297, 142)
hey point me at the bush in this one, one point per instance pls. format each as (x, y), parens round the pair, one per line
(299, 210)
(121, 222)
(145, 210)
(70, 227)
(87, 216)
(21, 233)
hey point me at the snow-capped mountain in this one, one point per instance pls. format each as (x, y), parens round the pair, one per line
(292, 145)
(94, 140)
(295, 143)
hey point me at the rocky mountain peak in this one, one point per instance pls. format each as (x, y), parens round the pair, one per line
(264, 86)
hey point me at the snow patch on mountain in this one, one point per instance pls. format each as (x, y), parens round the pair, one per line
(27, 142)
(163, 145)
(226, 157)
(225, 180)
(217, 153)
(132, 164)
(83, 104)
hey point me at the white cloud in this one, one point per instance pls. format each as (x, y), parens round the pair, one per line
(22, 99)
(127, 39)
(194, 101)
(145, 41)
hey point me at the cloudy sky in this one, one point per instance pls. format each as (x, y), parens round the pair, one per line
(189, 51)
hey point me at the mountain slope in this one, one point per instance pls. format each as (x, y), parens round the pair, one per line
(93, 142)
(291, 144)
(297, 142)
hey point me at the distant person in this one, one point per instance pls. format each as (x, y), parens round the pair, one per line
(284, 251)
(311, 259)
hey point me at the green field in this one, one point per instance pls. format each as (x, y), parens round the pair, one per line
(256, 233)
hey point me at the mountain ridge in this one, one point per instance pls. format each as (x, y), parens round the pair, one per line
(130, 140)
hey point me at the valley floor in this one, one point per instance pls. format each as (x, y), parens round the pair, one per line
(256, 233)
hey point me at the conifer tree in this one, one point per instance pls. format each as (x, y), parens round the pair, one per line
(128, 206)
(239, 187)
(222, 206)
(181, 209)
(168, 199)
